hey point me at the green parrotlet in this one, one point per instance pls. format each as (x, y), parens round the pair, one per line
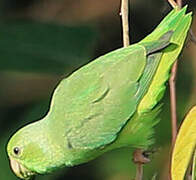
(110, 103)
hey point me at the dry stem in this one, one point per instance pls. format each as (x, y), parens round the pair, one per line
(173, 3)
(193, 37)
(172, 83)
(125, 21)
(125, 27)
(139, 172)
(179, 3)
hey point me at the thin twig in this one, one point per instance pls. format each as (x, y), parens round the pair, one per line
(125, 21)
(140, 158)
(173, 3)
(139, 173)
(179, 3)
(172, 83)
(126, 41)
(193, 38)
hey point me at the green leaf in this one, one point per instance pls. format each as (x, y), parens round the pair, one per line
(184, 146)
(46, 48)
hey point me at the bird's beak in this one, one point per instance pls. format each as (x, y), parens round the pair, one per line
(20, 170)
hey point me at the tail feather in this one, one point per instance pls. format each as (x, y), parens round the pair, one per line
(179, 23)
(169, 23)
(143, 122)
(139, 130)
(144, 137)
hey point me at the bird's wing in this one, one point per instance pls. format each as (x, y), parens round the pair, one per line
(96, 101)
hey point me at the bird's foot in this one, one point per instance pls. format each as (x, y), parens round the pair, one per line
(141, 157)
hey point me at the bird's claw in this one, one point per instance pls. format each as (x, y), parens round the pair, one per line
(141, 157)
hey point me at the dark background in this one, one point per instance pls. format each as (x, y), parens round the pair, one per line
(42, 41)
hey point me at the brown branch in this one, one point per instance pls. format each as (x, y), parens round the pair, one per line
(125, 21)
(179, 3)
(172, 83)
(139, 172)
(138, 157)
(173, 3)
(193, 38)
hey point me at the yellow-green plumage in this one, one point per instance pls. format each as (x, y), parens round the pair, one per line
(109, 103)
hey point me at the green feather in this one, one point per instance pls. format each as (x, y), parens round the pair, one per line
(123, 86)
(109, 103)
(179, 23)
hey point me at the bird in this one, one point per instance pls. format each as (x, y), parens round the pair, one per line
(112, 102)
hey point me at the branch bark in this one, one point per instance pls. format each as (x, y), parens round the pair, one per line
(179, 3)
(173, 3)
(138, 154)
(125, 22)
(172, 83)
(139, 173)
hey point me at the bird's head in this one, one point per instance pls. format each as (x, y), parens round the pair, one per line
(27, 151)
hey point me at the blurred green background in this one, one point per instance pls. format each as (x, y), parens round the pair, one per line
(43, 41)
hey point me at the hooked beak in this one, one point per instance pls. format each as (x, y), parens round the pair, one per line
(20, 170)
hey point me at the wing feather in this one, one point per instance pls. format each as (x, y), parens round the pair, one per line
(95, 102)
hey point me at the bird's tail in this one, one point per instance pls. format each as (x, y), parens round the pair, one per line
(178, 22)
(141, 126)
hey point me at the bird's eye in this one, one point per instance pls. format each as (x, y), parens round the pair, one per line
(16, 151)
